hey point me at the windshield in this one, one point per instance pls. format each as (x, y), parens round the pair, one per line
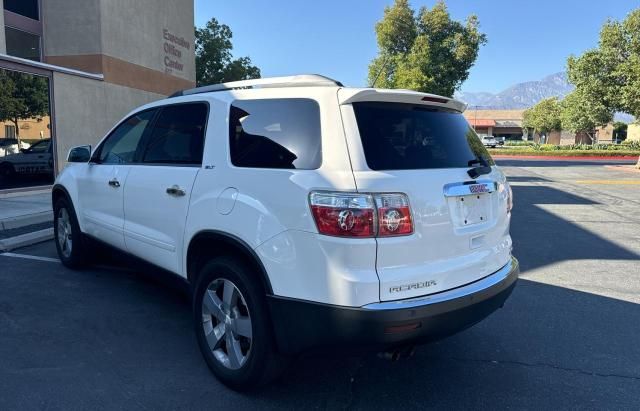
(397, 136)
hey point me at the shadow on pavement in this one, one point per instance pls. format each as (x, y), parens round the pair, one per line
(105, 338)
(541, 238)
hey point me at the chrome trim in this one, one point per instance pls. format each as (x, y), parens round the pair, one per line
(466, 290)
(464, 189)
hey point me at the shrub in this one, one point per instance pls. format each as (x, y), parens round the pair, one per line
(518, 143)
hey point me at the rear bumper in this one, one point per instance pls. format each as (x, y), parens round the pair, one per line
(304, 325)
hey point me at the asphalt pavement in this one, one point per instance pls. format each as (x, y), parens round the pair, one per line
(116, 337)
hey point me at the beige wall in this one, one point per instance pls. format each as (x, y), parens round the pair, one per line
(71, 27)
(3, 44)
(30, 129)
(129, 41)
(87, 109)
(132, 26)
(633, 132)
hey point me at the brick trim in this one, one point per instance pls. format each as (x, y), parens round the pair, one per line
(123, 73)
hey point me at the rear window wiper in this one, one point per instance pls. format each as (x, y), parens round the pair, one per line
(478, 171)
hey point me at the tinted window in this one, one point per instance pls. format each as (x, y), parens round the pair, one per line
(404, 136)
(178, 135)
(40, 147)
(279, 133)
(27, 8)
(22, 44)
(121, 145)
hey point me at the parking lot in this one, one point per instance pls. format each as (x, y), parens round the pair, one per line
(110, 337)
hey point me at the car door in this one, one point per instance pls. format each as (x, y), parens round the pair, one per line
(101, 184)
(34, 159)
(158, 189)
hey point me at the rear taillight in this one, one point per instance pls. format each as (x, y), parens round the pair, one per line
(343, 214)
(394, 215)
(361, 215)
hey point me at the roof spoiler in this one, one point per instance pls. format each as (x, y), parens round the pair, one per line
(348, 96)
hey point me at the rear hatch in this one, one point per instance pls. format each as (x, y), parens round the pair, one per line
(422, 146)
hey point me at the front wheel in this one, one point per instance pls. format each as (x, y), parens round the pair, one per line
(233, 327)
(68, 237)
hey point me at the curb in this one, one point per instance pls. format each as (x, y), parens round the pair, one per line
(24, 240)
(26, 220)
(566, 158)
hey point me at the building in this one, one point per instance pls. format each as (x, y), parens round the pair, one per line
(508, 124)
(83, 64)
(499, 123)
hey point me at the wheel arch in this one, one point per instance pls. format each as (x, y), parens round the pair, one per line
(59, 191)
(208, 244)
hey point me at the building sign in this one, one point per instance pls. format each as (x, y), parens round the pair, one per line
(174, 47)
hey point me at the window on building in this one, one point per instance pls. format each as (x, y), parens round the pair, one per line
(275, 133)
(9, 131)
(22, 44)
(178, 135)
(26, 8)
(26, 154)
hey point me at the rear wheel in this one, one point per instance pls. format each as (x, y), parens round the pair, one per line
(69, 240)
(233, 327)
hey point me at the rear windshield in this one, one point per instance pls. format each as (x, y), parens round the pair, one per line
(398, 136)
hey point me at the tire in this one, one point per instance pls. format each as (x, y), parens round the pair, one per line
(70, 242)
(232, 296)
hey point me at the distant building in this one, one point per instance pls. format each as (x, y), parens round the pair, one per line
(508, 124)
(499, 123)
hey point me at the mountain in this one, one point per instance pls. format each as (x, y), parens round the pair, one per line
(521, 95)
(525, 95)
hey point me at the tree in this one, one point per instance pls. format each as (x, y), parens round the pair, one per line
(543, 117)
(428, 53)
(22, 96)
(610, 73)
(214, 61)
(582, 114)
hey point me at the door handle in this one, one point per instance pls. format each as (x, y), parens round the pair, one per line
(114, 183)
(175, 191)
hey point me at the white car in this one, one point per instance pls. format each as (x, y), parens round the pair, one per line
(489, 141)
(36, 159)
(304, 215)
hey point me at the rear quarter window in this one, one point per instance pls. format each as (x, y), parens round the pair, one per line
(275, 133)
(398, 136)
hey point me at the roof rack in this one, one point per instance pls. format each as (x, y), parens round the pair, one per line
(302, 80)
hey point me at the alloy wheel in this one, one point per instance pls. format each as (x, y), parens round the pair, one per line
(64, 232)
(227, 323)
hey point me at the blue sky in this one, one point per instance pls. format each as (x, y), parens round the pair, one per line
(527, 39)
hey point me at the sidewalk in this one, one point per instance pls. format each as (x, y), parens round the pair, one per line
(25, 219)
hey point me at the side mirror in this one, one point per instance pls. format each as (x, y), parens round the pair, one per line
(80, 154)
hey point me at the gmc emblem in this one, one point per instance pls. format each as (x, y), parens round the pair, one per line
(478, 188)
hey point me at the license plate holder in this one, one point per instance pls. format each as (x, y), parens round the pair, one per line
(472, 209)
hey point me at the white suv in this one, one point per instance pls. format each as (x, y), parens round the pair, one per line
(304, 215)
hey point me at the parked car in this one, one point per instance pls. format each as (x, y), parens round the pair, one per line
(500, 140)
(489, 141)
(11, 146)
(37, 159)
(303, 215)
